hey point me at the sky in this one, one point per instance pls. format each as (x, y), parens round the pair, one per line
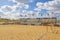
(16, 9)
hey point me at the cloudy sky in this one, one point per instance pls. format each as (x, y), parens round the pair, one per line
(15, 9)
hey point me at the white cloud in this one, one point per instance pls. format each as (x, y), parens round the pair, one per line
(12, 12)
(32, 14)
(22, 1)
(22, 5)
(6, 8)
(26, 6)
(51, 6)
(40, 5)
(9, 15)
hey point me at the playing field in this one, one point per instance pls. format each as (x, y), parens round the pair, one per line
(28, 32)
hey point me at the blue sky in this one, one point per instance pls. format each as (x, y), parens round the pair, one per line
(32, 5)
(5, 2)
(16, 7)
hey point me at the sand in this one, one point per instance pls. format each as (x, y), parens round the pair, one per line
(28, 32)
